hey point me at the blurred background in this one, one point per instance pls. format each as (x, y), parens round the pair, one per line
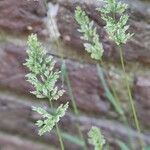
(53, 21)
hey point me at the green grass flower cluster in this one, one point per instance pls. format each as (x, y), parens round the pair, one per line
(115, 26)
(43, 77)
(96, 138)
(113, 13)
(50, 120)
(92, 43)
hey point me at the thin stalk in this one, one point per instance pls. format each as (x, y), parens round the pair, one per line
(117, 104)
(129, 92)
(122, 115)
(101, 147)
(57, 127)
(60, 137)
(58, 131)
(76, 112)
(130, 97)
(107, 147)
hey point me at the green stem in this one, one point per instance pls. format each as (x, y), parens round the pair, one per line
(124, 118)
(60, 138)
(57, 127)
(130, 97)
(76, 112)
(58, 131)
(71, 93)
(108, 94)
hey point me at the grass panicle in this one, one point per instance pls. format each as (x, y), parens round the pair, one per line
(89, 34)
(115, 17)
(116, 27)
(43, 78)
(96, 138)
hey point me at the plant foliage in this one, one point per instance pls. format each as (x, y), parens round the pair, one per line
(96, 138)
(43, 77)
(108, 93)
(113, 13)
(92, 44)
(115, 26)
(122, 145)
(50, 120)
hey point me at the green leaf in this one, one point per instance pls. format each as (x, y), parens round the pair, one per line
(147, 148)
(122, 145)
(73, 139)
(108, 93)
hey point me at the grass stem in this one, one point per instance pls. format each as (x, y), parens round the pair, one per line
(130, 98)
(76, 112)
(114, 99)
(58, 131)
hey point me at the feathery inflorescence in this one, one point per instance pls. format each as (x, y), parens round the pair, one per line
(43, 77)
(92, 43)
(96, 138)
(113, 14)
